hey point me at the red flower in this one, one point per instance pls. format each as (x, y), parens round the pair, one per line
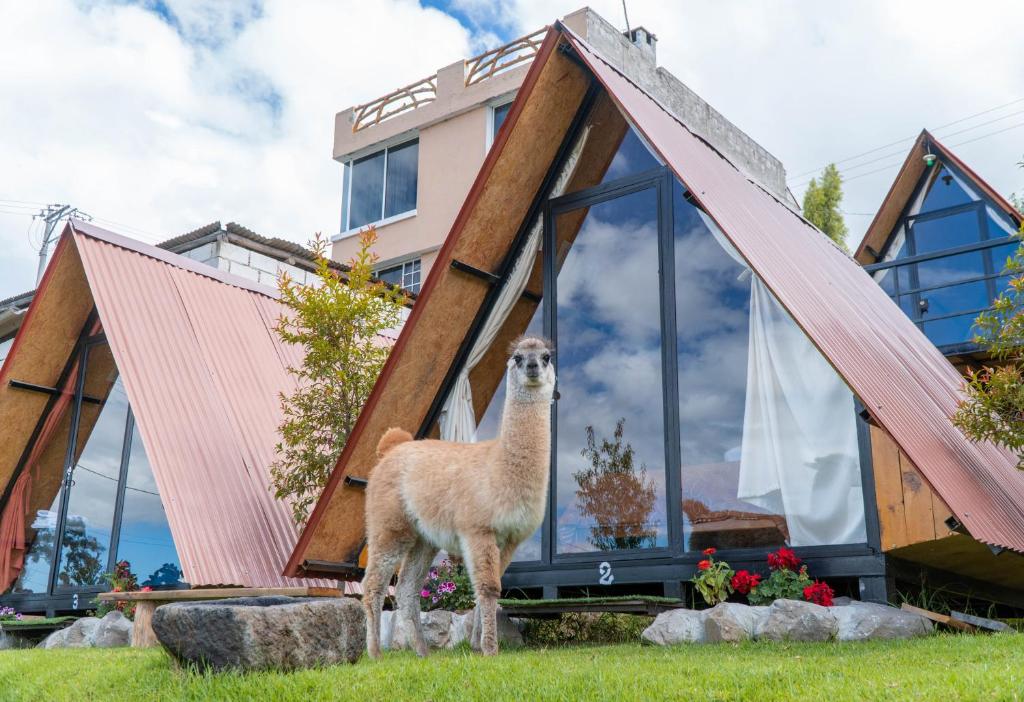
(710, 551)
(147, 588)
(117, 588)
(783, 559)
(744, 581)
(819, 593)
(703, 565)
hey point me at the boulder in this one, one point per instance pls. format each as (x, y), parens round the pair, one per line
(79, 635)
(436, 625)
(114, 630)
(732, 622)
(263, 633)
(860, 621)
(443, 629)
(792, 620)
(676, 626)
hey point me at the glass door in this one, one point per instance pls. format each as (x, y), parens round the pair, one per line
(609, 465)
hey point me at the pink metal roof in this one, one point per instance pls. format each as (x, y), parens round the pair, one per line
(203, 368)
(906, 384)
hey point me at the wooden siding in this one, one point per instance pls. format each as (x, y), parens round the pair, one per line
(909, 510)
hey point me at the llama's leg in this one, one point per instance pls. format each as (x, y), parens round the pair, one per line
(483, 561)
(380, 566)
(407, 593)
(476, 633)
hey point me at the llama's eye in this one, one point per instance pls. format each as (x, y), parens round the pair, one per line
(546, 357)
(518, 358)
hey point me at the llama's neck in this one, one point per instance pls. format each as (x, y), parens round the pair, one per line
(525, 440)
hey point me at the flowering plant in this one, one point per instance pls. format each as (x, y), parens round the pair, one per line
(447, 587)
(713, 579)
(819, 593)
(789, 581)
(9, 614)
(744, 581)
(121, 580)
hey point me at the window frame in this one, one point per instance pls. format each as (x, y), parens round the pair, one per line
(75, 598)
(379, 272)
(985, 245)
(346, 195)
(492, 107)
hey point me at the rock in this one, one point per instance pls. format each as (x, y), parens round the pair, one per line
(792, 620)
(860, 621)
(732, 622)
(841, 601)
(676, 626)
(263, 633)
(442, 629)
(436, 625)
(79, 635)
(114, 630)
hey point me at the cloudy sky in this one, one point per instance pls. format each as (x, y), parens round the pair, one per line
(158, 116)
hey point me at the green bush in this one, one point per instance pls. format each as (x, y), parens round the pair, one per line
(585, 628)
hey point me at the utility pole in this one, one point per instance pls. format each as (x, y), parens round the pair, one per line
(52, 216)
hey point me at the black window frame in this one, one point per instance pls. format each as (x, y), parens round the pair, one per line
(990, 273)
(76, 598)
(670, 566)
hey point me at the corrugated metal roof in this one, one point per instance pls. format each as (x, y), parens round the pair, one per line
(903, 380)
(203, 370)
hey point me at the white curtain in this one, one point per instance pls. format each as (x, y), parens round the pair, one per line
(458, 421)
(799, 457)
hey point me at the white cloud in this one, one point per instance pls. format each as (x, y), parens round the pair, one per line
(227, 115)
(815, 82)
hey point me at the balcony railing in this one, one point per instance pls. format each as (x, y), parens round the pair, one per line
(491, 63)
(476, 70)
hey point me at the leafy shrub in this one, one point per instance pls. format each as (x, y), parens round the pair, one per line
(585, 628)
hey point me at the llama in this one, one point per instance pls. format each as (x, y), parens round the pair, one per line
(477, 501)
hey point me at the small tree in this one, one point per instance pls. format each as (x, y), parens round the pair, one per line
(821, 204)
(994, 407)
(337, 323)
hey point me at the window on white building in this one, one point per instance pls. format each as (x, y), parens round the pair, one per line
(380, 185)
(405, 275)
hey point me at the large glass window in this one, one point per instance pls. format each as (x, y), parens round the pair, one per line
(943, 287)
(610, 439)
(74, 510)
(380, 185)
(768, 434)
(94, 478)
(145, 539)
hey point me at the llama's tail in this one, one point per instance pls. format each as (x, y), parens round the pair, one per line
(392, 438)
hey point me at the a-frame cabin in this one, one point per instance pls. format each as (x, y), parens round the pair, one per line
(938, 246)
(727, 376)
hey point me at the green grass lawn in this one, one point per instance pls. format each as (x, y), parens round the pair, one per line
(945, 668)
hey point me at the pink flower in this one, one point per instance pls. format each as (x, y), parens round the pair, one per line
(147, 588)
(424, 593)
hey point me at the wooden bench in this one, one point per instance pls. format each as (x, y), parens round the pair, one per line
(146, 602)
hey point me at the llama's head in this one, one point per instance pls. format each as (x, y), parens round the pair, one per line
(531, 374)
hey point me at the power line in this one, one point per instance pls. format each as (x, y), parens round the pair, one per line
(905, 139)
(51, 216)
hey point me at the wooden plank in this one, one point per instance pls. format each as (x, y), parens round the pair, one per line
(938, 618)
(917, 503)
(617, 606)
(980, 622)
(940, 513)
(885, 456)
(218, 593)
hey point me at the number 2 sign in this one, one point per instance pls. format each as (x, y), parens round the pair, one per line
(605, 574)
